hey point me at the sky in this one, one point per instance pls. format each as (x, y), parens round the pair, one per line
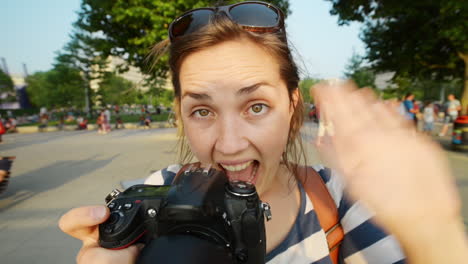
(32, 31)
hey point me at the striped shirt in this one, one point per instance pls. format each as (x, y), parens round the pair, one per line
(364, 242)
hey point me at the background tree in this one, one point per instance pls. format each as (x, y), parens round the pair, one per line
(424, 89)
(59, 87)
(304, 86)
(81, 54)
(425, 39)
(115, 90)
(7, 89)
(363, 75)
(128, 29)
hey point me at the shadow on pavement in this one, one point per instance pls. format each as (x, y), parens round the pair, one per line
(25, 186)
(121, 133)
(36, 139)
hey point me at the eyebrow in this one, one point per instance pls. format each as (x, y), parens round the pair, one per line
(205, 97)
(250, 89)
(198, 96)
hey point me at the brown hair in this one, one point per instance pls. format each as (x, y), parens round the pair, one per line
(222, 29)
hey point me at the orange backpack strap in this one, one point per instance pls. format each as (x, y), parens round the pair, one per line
(325, 208)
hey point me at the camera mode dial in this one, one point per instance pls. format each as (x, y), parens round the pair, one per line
(241, 188)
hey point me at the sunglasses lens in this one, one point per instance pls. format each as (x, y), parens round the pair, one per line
(257, 15)
(191, 22)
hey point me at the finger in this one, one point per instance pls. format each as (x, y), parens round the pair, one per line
(81, 222)
(354, 113)
(322, 90)
(390, 118)
(329, 95)
(96, 254)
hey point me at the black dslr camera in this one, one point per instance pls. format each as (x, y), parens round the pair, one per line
(200, 218)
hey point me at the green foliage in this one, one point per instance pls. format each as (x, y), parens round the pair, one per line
(304, 86)
(59, 87)
(6, 86)
(423, 89)
(424, 39)
(364, 76)
(414, 37)
(115, 90)
(128, 29)
(80, 54)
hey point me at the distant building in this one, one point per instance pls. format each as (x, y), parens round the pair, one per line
(133, 74)
(21, 96)
(383, 80)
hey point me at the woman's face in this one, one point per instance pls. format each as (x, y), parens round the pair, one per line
(236, 110)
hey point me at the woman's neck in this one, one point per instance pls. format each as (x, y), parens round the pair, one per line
(284, 199)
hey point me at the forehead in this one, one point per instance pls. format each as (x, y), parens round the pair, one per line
(230, 63)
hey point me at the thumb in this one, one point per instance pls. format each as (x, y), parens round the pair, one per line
(83, 219)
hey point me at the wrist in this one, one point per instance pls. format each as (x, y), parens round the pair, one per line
(437, 242)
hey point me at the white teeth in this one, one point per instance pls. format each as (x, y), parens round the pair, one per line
(237, 167)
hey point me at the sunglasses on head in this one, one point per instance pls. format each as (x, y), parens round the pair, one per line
(253, 16)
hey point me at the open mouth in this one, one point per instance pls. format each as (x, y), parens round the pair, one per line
(242, 172)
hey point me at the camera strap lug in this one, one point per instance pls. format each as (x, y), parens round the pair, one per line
(266, 210)
(112, 195)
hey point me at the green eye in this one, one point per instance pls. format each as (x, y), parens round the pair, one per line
(257, 108)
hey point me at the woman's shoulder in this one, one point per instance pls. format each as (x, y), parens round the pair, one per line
(163, 176)
(333, 181)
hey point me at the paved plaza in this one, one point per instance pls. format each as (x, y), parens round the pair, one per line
(56, 171)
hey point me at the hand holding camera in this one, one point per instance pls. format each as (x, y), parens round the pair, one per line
(201, 214)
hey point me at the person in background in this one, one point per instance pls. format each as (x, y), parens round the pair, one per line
(44, 120)
(451, 113)
(82, 123)
(5, 167)
(107, 120)
(11, 125)
(2, 129)
(429, 116)
(118, 122)
(70, 117)
(100, 122)
(147, 121)
(411, 111)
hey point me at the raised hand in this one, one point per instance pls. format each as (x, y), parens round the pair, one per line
(400, 175)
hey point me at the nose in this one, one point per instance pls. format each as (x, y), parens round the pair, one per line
(231, 137)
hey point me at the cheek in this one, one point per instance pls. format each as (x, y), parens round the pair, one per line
(271, 137)
(200, 141)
